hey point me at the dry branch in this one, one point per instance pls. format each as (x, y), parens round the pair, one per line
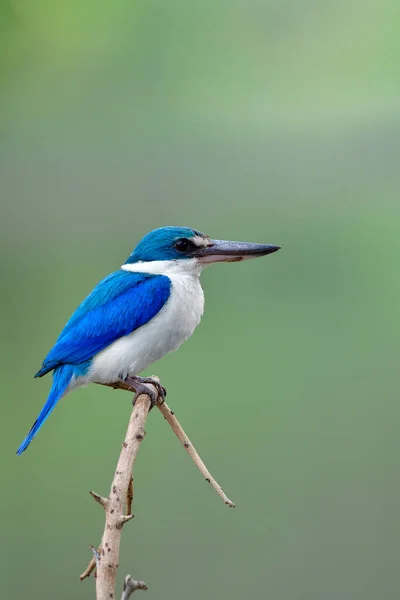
(106, 557)
(121, 493)
(131, 585)
(185, 441)
(191, 450)
(90, 568)
(115, 518)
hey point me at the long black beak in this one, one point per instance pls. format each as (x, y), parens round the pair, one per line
(223, 251)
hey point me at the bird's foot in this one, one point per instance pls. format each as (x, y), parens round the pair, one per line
(142, 385)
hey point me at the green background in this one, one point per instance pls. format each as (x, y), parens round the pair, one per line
(260, 120)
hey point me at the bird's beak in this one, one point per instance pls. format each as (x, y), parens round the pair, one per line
(223, 251)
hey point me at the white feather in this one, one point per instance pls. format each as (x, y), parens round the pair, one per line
(174, 324)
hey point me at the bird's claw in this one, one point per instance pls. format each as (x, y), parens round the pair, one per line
(142, 385)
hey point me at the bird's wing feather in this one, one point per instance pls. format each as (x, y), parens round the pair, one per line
(118, 305)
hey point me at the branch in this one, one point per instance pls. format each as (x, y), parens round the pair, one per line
(185, 441)
(99, 499)
(90, 568)
(191, 450)
(107, 557)
(131, 585)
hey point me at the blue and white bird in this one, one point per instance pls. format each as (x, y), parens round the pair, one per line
(136, 315)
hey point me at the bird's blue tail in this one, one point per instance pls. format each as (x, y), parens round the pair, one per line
(61, 378)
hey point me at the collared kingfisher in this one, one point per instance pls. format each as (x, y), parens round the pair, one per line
(136, 315)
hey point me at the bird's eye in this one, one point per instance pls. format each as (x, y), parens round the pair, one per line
(182, 245)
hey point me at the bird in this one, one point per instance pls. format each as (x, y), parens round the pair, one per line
(137, 314)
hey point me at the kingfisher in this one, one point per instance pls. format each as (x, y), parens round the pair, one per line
(136, 315)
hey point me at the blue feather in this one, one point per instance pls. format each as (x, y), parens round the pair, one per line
(159, 244)
(117, 306)
(61, 378)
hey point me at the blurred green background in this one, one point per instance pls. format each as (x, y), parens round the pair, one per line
(260, 120)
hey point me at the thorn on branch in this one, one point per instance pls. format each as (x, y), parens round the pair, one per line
(131, 585)
(89, 570)
(92, 564)
(99, 499)
(124, 519)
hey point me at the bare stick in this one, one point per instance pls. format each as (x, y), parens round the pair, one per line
(110, 543)
(89, 569)
(186, 443)
(108, 555)
(131, 585)
(191, 450)
(93, 562)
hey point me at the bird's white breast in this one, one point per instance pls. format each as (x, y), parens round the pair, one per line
(174, 324)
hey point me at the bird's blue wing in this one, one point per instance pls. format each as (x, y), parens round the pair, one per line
(118, 305)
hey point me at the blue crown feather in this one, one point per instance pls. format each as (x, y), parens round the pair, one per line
(159, 244)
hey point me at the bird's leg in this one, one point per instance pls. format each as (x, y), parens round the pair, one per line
(141, 385)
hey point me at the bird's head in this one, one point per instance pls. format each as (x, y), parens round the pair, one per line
(184, 244)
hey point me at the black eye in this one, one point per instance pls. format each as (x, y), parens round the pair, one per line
(182, 245)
